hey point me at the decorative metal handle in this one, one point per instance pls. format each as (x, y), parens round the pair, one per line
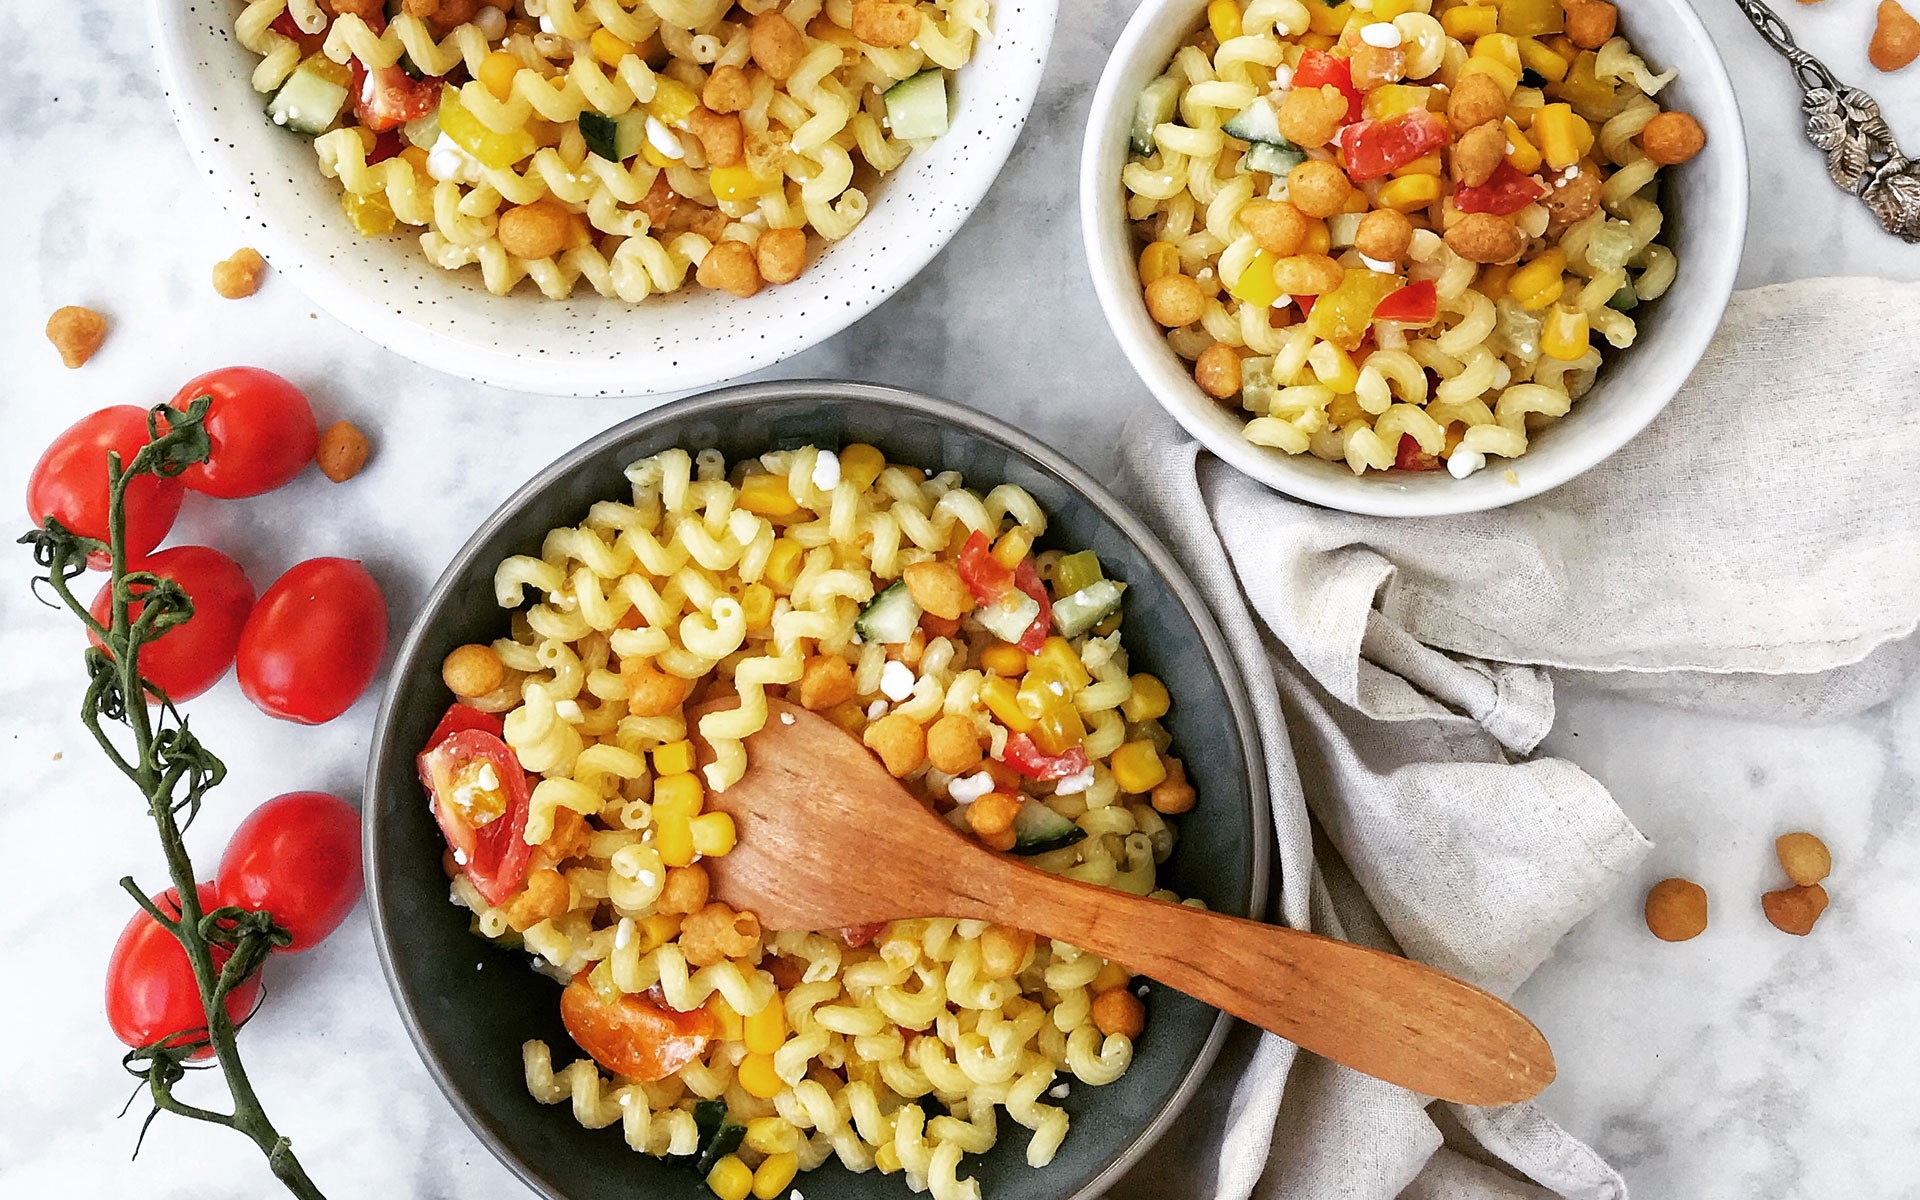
(1862, 155)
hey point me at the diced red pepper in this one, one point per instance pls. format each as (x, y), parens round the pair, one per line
(1025, 757)
(1410, 457)
(1416, 304)
(1306, 304)
(981, 572)
(1505, 192)
(1317, 68)
(386, 145)
(1027, 579)
(1374, 148)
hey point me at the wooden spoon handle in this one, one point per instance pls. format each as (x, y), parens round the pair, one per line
(1380, 1014)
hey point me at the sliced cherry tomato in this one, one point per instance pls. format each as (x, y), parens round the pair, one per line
(385, 146)
(262, 429)
(286, 26)
(1025, 757)
(480, 797)
(387, 97)
(1027, 578)
(1374, 148)
(1505, 192)
(1306, 304)
(1416, 304)
(151, 993)
(188, 659)
(462, 717)
(1317, 68)
(860, 935)
(635, 1037)
(314, 641)
(69, 483)
(298, 857)
(983, 574)
(1409, 456)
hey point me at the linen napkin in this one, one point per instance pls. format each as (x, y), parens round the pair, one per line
(1757, 550)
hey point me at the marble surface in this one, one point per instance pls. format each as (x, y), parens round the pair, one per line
(1744, 1064)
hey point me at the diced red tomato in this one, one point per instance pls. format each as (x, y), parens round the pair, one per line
(386, 145)
(983, 574)
(1506, 192)
(1410, 457)
(1416, 304)
(636, 1036)
(1373, 148)
(462, 717)
(1025, 757)
(1317, 68)
(1027, 578)
(484, 821)
(285, 26)
(860, 935)
(388, 97)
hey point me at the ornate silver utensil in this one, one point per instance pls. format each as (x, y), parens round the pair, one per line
(1862, 156)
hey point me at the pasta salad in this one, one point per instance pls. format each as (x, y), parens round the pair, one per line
(986, 674)
(617, 143)
(1389, 230)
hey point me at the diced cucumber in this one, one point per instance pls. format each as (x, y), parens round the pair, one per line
(725, 1141)
(890, 617)
(1625, 300)
(1009, 617)
(708, 1117)
(615, 139)
(1274, 160)
(917, 106)
(308, 102)
(1038, 829)
(1257, 122)
(1074, 615)
(1154, 107)
(1076, 571)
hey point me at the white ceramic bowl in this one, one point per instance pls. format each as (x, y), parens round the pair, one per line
(1706, 219)
(589, 344)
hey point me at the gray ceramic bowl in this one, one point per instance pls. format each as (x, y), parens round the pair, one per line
(469, 1023)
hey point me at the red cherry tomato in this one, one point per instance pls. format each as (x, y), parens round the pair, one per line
(314, 641)
(1417, 304)
(1505, 192)
(462, 717)
(1026, 577)
(387, 97)
(151, 994)
(983, 574)
(634, 1036)
(262, 429)
(298, 857)
(1317, 69)
(70, 482)
(188, 659)
(1373, 148)
(1408, 456)
(1024, 756)
(480, 798)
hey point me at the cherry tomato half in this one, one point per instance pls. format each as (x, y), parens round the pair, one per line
(262, 429)
(480, 798)
(188, 659)
(314, 641)
(151, 994)
(70, 482)
(387, 97)
(298, 857)
(634, 1036)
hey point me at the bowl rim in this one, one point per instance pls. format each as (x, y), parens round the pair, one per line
(387, 325)
(1101, 204)
(746, 397)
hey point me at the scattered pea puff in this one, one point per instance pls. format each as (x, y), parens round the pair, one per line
(1391, 230)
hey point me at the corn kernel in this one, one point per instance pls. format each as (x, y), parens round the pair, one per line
(757, 1076)
(650, 154)
(1357, 201)
(1469, 21)
(733, 183)
(677, 797)
(767, 1029)
(1148, 701)
(713, 834)
(730, 1178)
(1223, 17)
(1058, 656)
(1507, 77)
(1406, 195)
(657, 930)
(1536, 57)
(886, 1159)
(1002, 700)
(1328, 21)
(1011, 550)
(369, 215)
(861, 464)
(1426, 164)
(1502, 48)
(1319, 238)
(1137, 768)
(1564, 334)
(772, 1135)
(673, 838)
(756, 601)
(775, 1174)
(1562, 135)
(1333, 367)
(768, 496)
(1538, 284)
(673, 101)
(1111, 976)
(497, 71)
(1521, 153)
(731, 1024)
(1316, 41)
(674, 758)
(1159, 260)
(783, 561)
(1004, 658)
(610, 48)
(1493, 279)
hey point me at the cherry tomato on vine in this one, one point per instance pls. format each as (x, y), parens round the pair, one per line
(70, 482)
(188, 659)
(298, 857)
(262, 429)
(151, 994)
(634, 1036)
(314, 641)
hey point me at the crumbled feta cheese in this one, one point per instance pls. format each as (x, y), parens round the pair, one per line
(786, 718)
(876, 710)
(1074, 784)
(1382, 35)
(663, 139)
(1375, 264)
(1283, 76)
(568, 710)
(965, 791)
(460, 856)
(1464, 462)
(624, 934)
(826, 471)
(1282, 300)
(896, 681)
(449, 162)
(1058, 1091)
(626, 1099)
(487, 778)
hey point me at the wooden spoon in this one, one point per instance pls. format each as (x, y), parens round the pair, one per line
(828, 839)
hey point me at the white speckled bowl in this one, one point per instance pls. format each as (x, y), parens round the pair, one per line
(1706, 205)
(589, 344)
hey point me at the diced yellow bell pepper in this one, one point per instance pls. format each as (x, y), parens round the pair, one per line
(1538, 284)
(1316, 41)
(1583, 88)
(886, 1159)
(1004, 659)
(732, 184)
(1522, 155)
(1390, 100)
(1426, 164)
(1255, 285)
(1328, 21)
(471, 134)
(1059, 731)
(1159, 260)
(1148, 701)
(1470, 21)
(1531, 18)
(1137, 768)
(1012, 547)
(1406, 195)
(369, 215)
(654, 157)
(783, 562)
(1058, 655)
(1502, 48)
(1002, 700)
(1507, 77)
(1223, 17)
(1564, 334)
(610, 48)
(1536, 57)
(1387, 10)
(861, 464)
(756, 603)
(673, 101)
(1562, 135)
(1045, 689)
(674, 758)
(768, 496)
(657, 930)
(497, 71)
(732, 1024)
(1333, 366)
(1344, 315)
